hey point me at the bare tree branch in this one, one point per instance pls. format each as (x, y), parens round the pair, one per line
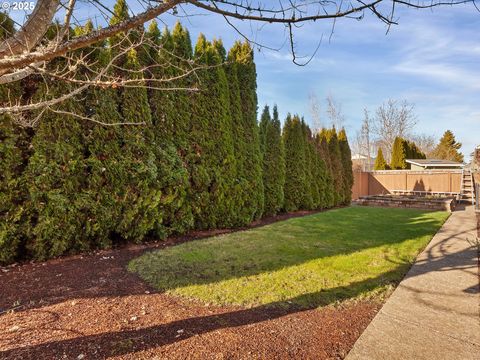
(86, 40)
(32, 31)
(394, 119)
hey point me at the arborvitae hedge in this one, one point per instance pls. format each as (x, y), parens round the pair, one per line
(200, 160)
(309, 182)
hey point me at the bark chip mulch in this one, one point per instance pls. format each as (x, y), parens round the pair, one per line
(90, 307)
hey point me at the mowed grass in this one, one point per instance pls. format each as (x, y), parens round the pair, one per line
(309, 261)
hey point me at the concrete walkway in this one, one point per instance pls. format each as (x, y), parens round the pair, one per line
(435, 311)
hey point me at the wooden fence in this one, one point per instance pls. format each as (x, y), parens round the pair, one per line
(397, 181)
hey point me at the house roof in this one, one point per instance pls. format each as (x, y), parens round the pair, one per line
(362, 157)
(358, 157)
(434, 163)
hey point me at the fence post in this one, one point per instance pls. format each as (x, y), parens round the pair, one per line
(450, 187)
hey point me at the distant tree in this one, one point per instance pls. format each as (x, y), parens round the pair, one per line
(393, 119)
(334, 112)
(447, 148)
(364, 139)
(412, 150)
(380, 162)
(399, 154)
(424, 142)
(315, 110)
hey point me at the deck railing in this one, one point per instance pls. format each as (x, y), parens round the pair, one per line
(477, 197)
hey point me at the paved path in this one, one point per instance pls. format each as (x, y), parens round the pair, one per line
(435, 311)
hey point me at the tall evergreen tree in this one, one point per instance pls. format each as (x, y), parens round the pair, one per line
(14, 154)
(448, 148)
(55, 177)
(328, 194)
(336, 164)
(315, 176)
(212, 163)
(346, 156)
(265, 119)
(380, 162)
(273, 161)
(102, 154)
(172, 109)
(248, 147)
(321, 177)
(170, 118)
(310, 196)
(244, 212)
(295, 163)
(140, 196)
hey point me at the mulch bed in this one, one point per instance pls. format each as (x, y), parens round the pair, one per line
(90, 307)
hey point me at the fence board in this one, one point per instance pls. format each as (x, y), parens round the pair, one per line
(385, 182)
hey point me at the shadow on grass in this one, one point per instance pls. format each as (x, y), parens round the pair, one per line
(286, 244)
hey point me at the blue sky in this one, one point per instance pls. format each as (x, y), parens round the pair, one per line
(430, 59)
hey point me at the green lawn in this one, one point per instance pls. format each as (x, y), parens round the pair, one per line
(309, 261)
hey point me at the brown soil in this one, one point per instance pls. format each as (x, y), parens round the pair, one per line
(90, 307)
